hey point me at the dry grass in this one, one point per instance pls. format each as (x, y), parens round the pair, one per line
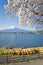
(31, 62)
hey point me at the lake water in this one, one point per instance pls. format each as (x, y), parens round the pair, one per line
(21, 40)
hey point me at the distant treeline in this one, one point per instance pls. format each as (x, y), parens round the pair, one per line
(15, 32)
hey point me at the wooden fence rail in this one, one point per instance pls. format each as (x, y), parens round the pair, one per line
(19, 58)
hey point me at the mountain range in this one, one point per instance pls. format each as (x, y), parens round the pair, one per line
(17, 30)
(14, 30)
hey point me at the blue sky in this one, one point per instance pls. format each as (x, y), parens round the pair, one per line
(5, 21)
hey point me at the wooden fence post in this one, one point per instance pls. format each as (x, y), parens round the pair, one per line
(7, 58)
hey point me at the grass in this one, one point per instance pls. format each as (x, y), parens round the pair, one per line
(5, 53)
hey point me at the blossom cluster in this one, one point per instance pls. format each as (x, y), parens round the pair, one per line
(29, 12)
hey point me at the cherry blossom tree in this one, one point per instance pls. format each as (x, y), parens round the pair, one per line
(29, 12)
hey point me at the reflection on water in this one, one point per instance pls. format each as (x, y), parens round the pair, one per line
(21, 40)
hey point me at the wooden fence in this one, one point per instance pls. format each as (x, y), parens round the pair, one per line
(19, 58)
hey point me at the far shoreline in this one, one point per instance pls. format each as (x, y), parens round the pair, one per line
(21, 32)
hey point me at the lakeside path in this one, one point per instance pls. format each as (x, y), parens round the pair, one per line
(31, 62)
